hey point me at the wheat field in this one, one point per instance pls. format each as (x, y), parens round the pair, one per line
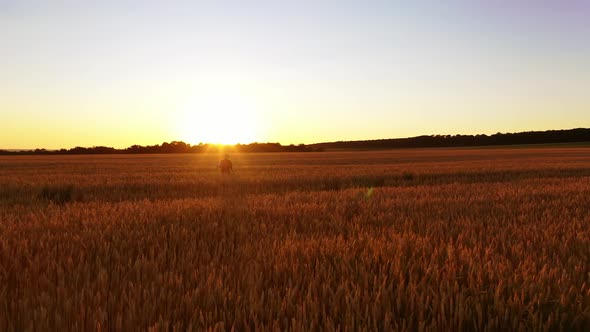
(406, 240)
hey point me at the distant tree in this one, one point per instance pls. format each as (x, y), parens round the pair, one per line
(529, 137)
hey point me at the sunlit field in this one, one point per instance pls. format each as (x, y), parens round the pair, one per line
(408, 240)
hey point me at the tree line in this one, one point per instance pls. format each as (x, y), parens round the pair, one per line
(172, 147)
(578, 135)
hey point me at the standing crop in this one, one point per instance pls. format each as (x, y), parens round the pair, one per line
(404, 240)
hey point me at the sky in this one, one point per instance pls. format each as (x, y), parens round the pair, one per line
(118, 73)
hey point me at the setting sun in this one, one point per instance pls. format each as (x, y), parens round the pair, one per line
(219, 119)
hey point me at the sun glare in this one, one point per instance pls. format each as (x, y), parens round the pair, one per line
(219, 119)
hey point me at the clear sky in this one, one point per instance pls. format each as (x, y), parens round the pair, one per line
(123, 72)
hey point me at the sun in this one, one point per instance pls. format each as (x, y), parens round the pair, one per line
(219, 119)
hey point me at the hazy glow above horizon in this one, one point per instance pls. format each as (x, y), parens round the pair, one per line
(223, 117)
(117, 73)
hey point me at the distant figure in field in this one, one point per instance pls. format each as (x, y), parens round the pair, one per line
(225, 165)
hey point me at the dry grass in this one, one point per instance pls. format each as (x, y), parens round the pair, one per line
(449, 239)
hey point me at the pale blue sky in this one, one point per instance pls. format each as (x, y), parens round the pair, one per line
(119, 73)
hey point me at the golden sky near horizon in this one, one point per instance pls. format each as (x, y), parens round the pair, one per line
(118, 73)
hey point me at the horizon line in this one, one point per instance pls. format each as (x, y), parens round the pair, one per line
(281, 144)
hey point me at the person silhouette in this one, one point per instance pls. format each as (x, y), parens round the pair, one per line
(225, 165)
